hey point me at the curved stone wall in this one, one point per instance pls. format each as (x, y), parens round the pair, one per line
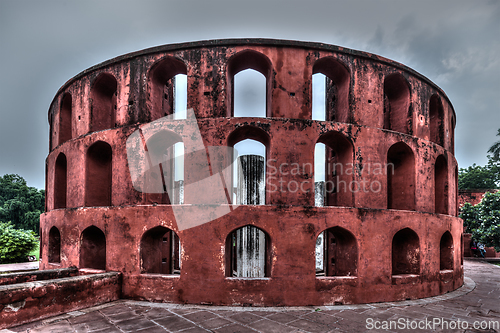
(385, 230)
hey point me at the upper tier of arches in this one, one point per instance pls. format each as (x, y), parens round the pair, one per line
(360, 88)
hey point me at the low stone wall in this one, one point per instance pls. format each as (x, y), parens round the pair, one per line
(22, 277)
(29, 301)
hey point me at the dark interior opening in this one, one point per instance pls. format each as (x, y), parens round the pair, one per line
(400, 177)
(98, 175)
(103, 106)
(405, 252)
(93, 249)
(54, 245)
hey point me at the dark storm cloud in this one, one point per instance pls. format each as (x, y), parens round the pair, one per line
(44, 43)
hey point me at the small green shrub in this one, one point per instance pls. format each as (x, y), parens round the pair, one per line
(15, 244)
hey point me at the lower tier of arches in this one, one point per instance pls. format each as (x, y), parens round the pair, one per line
(260, 255)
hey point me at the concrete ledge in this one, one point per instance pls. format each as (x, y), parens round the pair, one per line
(19, 267)
(29, 301)
(12, 278)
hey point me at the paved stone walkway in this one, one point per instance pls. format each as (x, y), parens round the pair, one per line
(477, 302)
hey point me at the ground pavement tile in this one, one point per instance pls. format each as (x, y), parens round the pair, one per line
(88, 317)
(92, 326)
(235, 328)
(26, 327)
(407, 313)
(110, 329)
(282, 317)
(321, 318)
(227, 313)
(447, 308)
(123, 316)
(134, 324)
(246, 317)
(216, 322)
(184, 311)
(268, 313)
(200, 316)
(347, 325)
(157, 313)
(115, 309)
(61, 327)
(195, 330)
(350, 315)
(309, 326)
(174, 323)
(269, 326)
(156, 329)
(298, 313)
(377, 314)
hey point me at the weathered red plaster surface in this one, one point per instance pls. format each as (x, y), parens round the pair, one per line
(25, 302)
(289, 217)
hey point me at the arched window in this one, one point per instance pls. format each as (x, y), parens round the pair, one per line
(60, 181)
(65, 111)
(165, 175)
(167, 88)
(334, 158)
(248, 253)
(160, 251)
(98, 175)
(249, 172)
(405, 252)
(249, 94)
(446, 251)
(54, 245)
(441, 185)
(103, 102)
(332, 92)
(93, 248)
(336, 253)
(400, 177)
(436, 120)
(396, 104)
(247, 88)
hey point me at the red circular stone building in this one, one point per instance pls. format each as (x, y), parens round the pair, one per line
(381, 225)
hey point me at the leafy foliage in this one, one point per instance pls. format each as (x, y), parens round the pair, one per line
(19, 203)
(483, 220)
(495, 150)
(478, 177)
(15, 244)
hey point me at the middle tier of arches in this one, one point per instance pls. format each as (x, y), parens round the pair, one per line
(369, 168)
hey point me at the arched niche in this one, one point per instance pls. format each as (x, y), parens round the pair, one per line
(336, 89)
(243, 60)
(103, 94)
(400, 177)
(397, 104)
(162, 86)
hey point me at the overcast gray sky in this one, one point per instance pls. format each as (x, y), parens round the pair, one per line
(43, 44)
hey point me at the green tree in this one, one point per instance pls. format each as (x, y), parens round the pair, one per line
(19, 203)
(478, 177)
(15, 244)
(483, 220)
(495, 150)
